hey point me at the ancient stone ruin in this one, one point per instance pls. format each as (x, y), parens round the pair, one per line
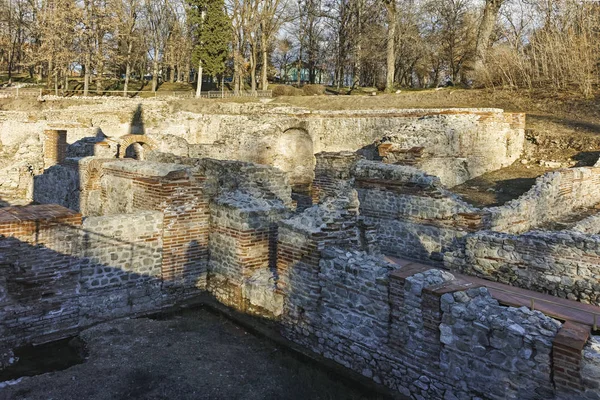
(307, 219)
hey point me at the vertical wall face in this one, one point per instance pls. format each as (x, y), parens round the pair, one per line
(178, 193)
(421, 333)
(38, 274)
(243, 246)
(414, 215)
(55, 147)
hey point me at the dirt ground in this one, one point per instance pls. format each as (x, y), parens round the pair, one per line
(194, 355)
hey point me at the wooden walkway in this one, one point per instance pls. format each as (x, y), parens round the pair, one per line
(556, 307)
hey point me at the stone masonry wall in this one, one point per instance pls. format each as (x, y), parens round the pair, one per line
(554, 194)
(59, 274)
(243, 251)
(414, 215)
(564, 264)
(426, 334)
(285, 137)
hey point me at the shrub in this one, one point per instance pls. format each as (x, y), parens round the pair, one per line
(311, 90)
(285, 90)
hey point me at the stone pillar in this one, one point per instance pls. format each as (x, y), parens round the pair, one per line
(55, 147)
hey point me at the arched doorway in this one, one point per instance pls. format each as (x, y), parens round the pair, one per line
(135, 146)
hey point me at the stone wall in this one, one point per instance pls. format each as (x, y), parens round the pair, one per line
(414, 215)
(554, 195)
(59, 274)
(285, 137)
(426, 335)
(564, 264)
(159, 233)
(243, 250)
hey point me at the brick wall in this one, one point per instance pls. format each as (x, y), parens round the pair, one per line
(55, 147)
(414, 215)
(243, 251)
(553, 196)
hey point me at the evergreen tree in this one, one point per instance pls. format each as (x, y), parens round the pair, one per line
(212, 32)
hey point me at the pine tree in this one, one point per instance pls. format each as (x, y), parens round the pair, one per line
(212, 28)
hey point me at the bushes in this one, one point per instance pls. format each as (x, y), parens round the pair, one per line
(311, 90)
(288, 90)
(285, 90)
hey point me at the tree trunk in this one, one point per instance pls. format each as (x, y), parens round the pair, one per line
(358, 56)
(236, 68)
(263, 45)
(486, 27)
(391, 36)
(127, 73)
(299, 67)
(86, 76)
(199, 79)
(155, 71)
(50, 72)
(56, 83)
(66, 87)
(172, 77)
(253, 69)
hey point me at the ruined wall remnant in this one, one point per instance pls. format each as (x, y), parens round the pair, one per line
(554, 195)
(55, 147)
(415, 216)
(457, 144)
(425, 334)
(564, 264)
(163, 231)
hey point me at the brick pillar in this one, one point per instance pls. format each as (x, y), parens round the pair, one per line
(55, 147)
(566, 357)
(184, 205)
(331, 169)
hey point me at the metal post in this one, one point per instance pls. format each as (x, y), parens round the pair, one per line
(532, 304)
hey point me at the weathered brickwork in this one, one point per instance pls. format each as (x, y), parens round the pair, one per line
(424, 334)
(243, 252)
(55, 147)
(415, 216)
(160, 231)
(554, 195)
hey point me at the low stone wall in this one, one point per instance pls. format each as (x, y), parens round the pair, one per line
(564, 264)
(554, 195)
(589, 225)
(243, 247)
(60, 274)
(414, 215)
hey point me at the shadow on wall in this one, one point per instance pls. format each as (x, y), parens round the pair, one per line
(69, 286)
(60, 183)
(136, 127)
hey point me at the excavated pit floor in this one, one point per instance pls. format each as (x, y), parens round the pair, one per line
(192, 355)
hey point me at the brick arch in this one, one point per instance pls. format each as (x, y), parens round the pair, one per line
(128, 140)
